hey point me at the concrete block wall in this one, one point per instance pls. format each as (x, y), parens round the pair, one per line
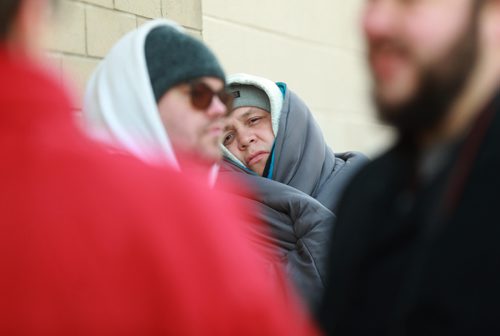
(84, 31)
(315, 47)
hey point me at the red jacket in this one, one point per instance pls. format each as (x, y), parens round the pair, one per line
(94, 244)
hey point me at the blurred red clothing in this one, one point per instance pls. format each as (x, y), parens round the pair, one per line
(95, 244)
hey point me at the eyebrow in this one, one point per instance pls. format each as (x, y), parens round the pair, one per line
(250, 111)
(245, 115)
(198, 80)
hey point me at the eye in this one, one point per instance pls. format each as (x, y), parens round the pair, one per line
(228, 138)
(253, 120)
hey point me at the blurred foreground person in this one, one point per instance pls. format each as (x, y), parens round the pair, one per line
(93, 244)
(159, 94)
(272, 142)
(415, 250)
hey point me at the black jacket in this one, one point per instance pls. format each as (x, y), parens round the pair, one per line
(412, 259)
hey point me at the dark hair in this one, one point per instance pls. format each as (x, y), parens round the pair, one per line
(8, 11)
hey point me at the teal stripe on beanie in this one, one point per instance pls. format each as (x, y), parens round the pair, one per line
(174, 57)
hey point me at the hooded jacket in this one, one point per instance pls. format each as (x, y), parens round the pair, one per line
(120, 108)
(300, 200)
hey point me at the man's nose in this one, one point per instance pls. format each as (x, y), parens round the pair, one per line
(380, 19)
(217, 108)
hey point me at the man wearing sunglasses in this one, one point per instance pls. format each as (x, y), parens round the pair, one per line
(159, 94)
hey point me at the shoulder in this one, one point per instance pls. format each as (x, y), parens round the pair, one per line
(349, 163)
(370, 174)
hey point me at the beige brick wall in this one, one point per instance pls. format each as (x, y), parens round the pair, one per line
(313, 46)
(84, 31)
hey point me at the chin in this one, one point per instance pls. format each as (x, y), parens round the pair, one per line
(392, 100)
(394, 94)
(399, 88)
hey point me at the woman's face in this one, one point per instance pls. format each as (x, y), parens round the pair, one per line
(249, 136)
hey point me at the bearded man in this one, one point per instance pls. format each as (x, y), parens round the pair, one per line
(415, 250)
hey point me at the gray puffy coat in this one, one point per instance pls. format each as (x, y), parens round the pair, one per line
(299, 203)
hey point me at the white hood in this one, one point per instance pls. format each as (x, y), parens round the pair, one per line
(119, 106)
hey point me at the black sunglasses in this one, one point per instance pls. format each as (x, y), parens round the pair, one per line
(202, 95)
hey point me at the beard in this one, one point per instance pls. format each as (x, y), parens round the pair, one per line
(438, 86)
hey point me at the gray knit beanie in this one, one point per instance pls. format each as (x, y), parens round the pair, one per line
(174, 57)
(249, 95)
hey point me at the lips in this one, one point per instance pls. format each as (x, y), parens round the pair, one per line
(388, 59)
(385, 66)
(255, 157)
(215, 130)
